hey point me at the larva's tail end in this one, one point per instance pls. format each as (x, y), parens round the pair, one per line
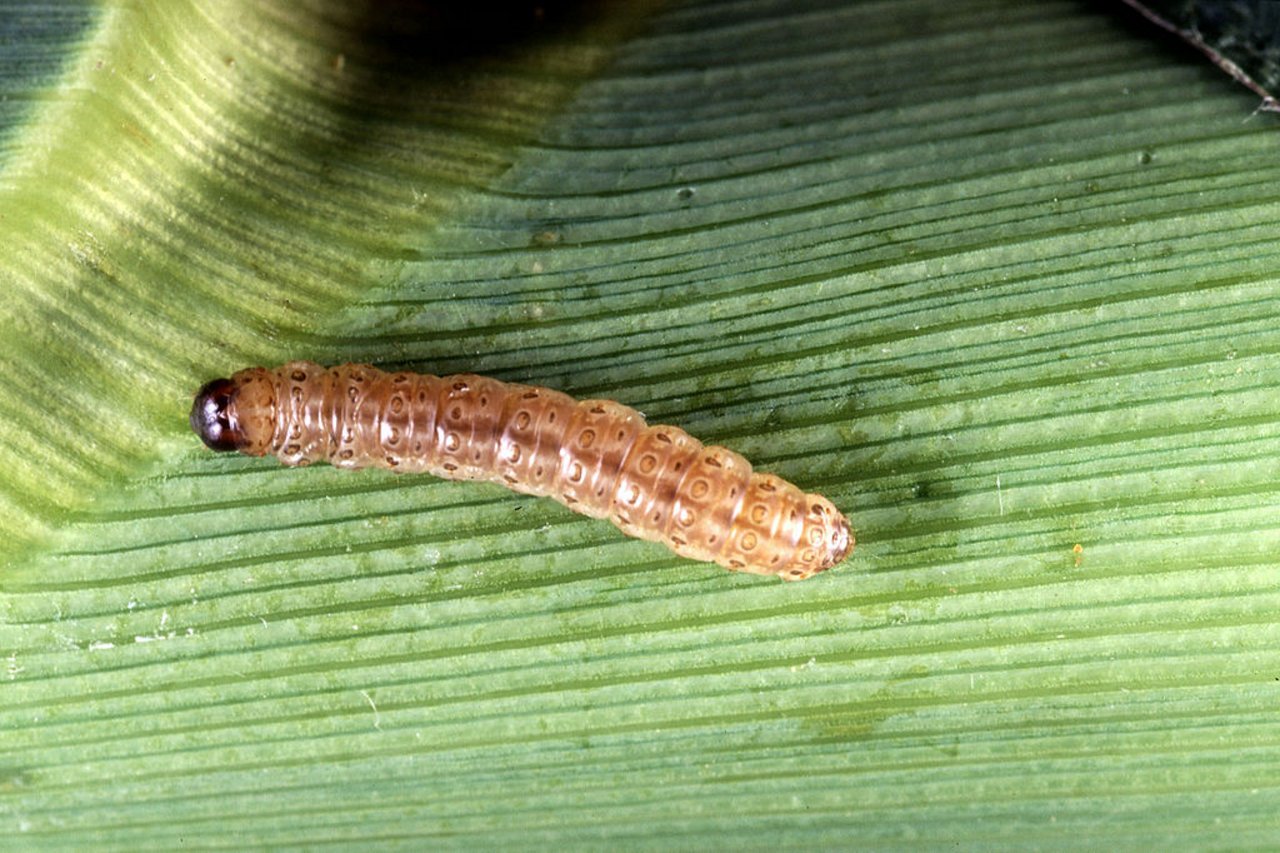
(842, 542)
(833, 543)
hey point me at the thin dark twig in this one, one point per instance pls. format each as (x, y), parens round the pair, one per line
(1269, 102)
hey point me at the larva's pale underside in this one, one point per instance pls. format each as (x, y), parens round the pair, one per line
(597, 457)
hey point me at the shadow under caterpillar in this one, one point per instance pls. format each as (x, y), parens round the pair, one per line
(596, 457)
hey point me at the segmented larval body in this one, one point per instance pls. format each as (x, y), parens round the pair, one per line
(597, 457)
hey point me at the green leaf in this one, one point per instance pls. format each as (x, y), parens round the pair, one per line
(996, 278)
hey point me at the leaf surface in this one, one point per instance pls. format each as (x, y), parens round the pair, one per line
(996, 278)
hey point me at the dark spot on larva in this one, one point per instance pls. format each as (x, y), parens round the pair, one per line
(551, 416)
(449, 466)
(699, 489)
(479, 455)
(663, 437)
(737, 564)
(714, 461)
(766, 486)
(818, 508)
(586, 438)
(775, 560)
(686, 518)
(575, 472)
(456, 413)
(749, 542)
(213, 419)
(292, 449)
(597, 410)
(793, 515)
(622, 433)
(733, 493)
(295, 431)
(484, 401)
(537, 472)
(529, 395)
(296, 394)
(711, 540)
(352, 393)
(452, 442)
(648, 462)
(678, 541)
(795, 573)
(396, 404)
(392, 461)
(460, 386)
(808, 555)
(513, 453)
(400, 378)
(523, 419)
(509, 479)
(298, 376)
(422, 396)
(569, 500)
(815, 536)
(346, 454)
(759, 513)
(677, 466)
(393, 437)
(417, 447)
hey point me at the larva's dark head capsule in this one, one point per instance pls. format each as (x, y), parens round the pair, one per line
(213, 416)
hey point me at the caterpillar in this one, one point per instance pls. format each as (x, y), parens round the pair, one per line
(597, 457)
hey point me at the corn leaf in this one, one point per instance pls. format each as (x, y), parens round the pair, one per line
(997, 278)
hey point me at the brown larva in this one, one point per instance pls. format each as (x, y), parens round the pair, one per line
(597, 457)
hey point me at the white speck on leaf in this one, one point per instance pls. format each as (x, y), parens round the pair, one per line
(377, 718)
